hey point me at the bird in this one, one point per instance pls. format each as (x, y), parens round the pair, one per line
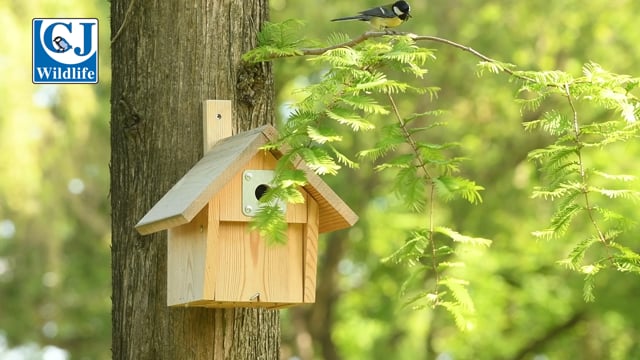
(383, 17)
(61, 44)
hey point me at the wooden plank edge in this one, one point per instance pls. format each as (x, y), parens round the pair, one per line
(145, 227)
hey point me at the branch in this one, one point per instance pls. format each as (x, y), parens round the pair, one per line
(432, 188)
(376, 34)
(583, 174)
(356, 41)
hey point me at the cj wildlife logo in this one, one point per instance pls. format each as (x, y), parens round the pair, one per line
(65, 51)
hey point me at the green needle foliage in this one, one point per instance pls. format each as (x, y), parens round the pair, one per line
(584, 194)
(357, 92)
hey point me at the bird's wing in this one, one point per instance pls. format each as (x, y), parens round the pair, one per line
(380, 11)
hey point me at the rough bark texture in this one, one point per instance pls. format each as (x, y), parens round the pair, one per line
(167, 57)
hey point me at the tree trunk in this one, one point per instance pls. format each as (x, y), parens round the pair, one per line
(167, 57)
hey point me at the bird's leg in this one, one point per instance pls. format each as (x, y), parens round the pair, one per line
(390, 32)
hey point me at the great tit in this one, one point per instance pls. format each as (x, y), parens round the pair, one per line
(383, 17)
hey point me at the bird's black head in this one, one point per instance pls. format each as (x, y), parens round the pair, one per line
(402, 9)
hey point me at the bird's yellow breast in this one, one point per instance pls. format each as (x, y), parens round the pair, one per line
(382, 23)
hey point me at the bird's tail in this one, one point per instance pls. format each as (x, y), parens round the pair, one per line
(357, 17)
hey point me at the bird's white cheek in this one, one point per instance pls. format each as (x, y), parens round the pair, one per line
(397, 11)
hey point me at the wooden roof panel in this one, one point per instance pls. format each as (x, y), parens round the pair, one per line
(192, 192)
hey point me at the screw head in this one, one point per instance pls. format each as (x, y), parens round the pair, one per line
(248, 176)
(248, 209)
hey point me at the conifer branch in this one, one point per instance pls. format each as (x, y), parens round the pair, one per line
(581, 168)
(432, 188)
(344, 96)
(376, 34)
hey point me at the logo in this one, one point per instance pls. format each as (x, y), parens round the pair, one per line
(65, 51)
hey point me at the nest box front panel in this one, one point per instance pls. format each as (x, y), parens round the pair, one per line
(215, 260)
(252, 271)
(231, 195)
(247, 268)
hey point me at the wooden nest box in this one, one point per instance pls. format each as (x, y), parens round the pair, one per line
(213, 259)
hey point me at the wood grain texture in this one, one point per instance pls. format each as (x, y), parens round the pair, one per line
(231, 194)
(207, 177)
(252, 271)
(187, 259)
(167, 59)
(310, 238)
(217, 123)
(218, 263)
(222, 166)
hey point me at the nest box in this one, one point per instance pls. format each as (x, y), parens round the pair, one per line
(213, 259)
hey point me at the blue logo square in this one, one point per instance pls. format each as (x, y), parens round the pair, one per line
(65, 51)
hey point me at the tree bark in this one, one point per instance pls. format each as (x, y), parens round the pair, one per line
(167, 57)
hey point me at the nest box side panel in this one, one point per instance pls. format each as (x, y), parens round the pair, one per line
(231, 194)
(211, 266)
(252, 271)
(310, 239)
(186, 260)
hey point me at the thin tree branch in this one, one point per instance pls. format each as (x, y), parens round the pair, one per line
(583, 174)
(356, 41)
(376, 34)
(432, 188)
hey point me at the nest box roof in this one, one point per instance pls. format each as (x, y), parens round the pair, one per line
(218, 166)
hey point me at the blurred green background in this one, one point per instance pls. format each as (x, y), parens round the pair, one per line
(54, 186)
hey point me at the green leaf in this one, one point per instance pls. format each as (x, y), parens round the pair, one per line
(462, 307)
(319, 161)
(271, 224)
(410, 188)
(364, 103)
(573, 261)
(590, 272)
(563, 217)
(626, 260)
(464, 239)
(450, 187)
(340, 57)
(343, 159)
(422, 295)
(412, 250)
(276, 40)
(444, 250)
(546, 234)
(615, 194)
(322, 136)
(392, 138)
(337, 39)
(490, 66)
(458, 288)
(449, 265)
(350, 118)
(399, 162)
(432, 113)
(621, 177)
